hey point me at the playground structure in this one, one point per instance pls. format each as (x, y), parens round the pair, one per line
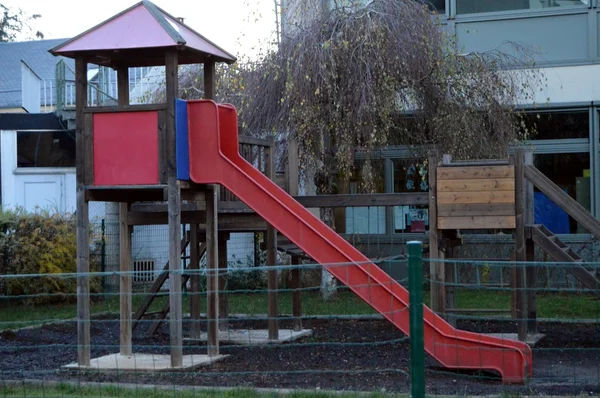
(177, 154)
(498, 195)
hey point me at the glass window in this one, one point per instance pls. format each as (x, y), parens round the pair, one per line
(410, 175)
(571, 172)
(45, 149)
(477, 6)
(366, 220)
(556, 125)
(438, 5)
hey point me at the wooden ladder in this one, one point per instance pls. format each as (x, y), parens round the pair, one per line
(162, 314)
(156, 286)
(561, 252)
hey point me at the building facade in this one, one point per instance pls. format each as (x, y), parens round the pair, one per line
(564, 36)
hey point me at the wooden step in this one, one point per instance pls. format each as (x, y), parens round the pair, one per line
(554, 247)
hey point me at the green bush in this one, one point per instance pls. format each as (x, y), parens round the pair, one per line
(44, 244)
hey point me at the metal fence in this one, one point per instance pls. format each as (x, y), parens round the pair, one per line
(340, 343)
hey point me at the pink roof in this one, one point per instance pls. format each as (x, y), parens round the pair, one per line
(141, 27)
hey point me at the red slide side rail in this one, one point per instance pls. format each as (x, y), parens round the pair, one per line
(214, 159)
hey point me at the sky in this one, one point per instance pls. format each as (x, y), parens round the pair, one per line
(238, 26)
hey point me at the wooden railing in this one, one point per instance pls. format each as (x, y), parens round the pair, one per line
(260, 153)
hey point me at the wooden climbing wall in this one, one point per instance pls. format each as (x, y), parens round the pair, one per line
(476, 197)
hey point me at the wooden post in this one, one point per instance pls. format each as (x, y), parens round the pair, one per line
(194, 282)
(174, 210)
(83, 248)
(212, 271)
(530, 276)
(125, 232)
(293, 167)
(449, 288)
(123, 86)
(293, 176)
(436, 268)
(223, 274)
(271, 247)
(209, 80)
(520, 252)
(297, 293)
(212, 239)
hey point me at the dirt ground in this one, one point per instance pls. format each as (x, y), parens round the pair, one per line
(364, 355)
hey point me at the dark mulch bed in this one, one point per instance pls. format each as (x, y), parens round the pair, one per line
(341, 355)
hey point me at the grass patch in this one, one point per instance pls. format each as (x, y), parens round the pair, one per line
(67, 390)
(550, 305)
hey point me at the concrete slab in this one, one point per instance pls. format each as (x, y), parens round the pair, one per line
(144, 363)
(256, 337)
(532, 339)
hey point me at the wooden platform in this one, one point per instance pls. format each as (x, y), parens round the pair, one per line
(144, 363)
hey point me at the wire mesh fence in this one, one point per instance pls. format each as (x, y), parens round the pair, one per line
(354, 340)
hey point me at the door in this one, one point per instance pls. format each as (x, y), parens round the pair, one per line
(40, 191)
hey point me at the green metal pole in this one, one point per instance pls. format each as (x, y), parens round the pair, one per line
(417, 343)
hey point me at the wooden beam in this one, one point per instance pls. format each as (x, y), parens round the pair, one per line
(448, 284)
(475, 209)
(530, 280)
(227, 222)
(123, 86)
(223, 275)
(296, 293)
(271, 242)
(129, 108)
(212, 273)
(485, 197)
(479, 172)
(530, 272)
(125, 194)
(293, 167)
(125, 297)
(88, 139)
(476, 185)
(83, 251)
(520, 251)
(350, 200)
(174, 203)
(194, 267)
(248, 140)
(162, 148)
(436, 268)
(477, 222)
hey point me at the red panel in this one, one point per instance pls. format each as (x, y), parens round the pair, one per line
(126, 148)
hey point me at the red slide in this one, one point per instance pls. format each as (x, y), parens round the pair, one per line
(214, 159)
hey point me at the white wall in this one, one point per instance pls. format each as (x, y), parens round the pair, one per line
(31, 187)
(568, 84)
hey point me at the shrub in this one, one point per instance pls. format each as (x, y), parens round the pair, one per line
(40, 243)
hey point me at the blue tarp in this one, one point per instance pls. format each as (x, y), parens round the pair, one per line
(549, 214)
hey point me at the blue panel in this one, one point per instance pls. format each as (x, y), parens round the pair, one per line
(182, 143)
(548, 213)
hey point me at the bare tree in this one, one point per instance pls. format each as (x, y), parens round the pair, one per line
(385, 73)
